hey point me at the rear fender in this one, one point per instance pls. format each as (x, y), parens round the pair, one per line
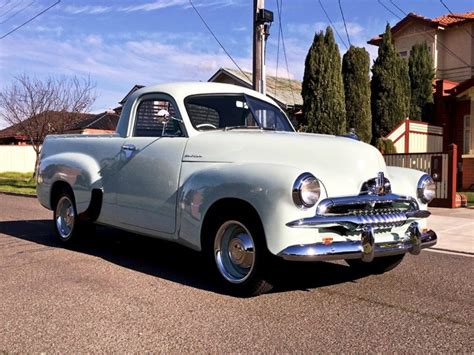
(81, 172)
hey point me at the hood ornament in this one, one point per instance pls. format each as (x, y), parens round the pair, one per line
(380, 184)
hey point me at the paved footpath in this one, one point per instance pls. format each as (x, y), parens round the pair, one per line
(454, 227)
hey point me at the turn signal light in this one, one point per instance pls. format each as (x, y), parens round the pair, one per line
(327, 240)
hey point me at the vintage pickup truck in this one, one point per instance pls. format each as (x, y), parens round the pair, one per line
(220, 169)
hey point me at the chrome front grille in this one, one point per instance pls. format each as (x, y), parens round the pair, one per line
(356, 212)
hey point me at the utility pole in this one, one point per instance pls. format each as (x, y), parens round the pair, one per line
(261, 30)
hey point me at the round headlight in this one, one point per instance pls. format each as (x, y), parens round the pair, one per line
(306, 190)
(426, 189)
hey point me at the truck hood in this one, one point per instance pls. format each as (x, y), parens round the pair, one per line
(340, 163)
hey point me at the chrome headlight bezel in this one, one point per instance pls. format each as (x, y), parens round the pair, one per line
(306, 190)
(426, 189)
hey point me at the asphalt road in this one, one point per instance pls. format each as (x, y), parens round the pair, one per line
(124, 293)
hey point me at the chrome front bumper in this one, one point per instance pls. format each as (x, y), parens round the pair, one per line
(365, 249)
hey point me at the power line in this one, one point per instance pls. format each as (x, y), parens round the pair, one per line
(447, 8)
(278, 51)
(31, 19)
(332, 24)
(397, 7)
(280, 10)
(217, 40)
(16, 13)
(344, 20)
(429, 35)
(386, 8)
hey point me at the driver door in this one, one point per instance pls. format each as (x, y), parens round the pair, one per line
(148, 181)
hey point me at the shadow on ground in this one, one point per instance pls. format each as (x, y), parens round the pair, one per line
(173, 262)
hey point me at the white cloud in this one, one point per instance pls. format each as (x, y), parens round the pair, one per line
(146, 6)
(115, 67)
(89, 9)
(56, 30)
(154, 5)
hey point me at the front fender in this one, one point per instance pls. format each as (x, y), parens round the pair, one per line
(404, 181)
(78, 170)
(267, 187)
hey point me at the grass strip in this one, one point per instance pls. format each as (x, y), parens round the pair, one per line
(22, 183)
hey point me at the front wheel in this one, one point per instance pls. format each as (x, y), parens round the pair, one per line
(236, 249)
(378, 265)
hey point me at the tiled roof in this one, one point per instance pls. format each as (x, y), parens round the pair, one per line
(452, 19)
(104, 121)
(283, 90)
(459, 89)
(15, 131)
(444, 21)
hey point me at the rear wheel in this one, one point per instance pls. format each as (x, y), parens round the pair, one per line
(235, 247)
(378, 265)
(66, 222)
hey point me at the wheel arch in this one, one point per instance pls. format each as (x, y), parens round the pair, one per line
(93, 210)
(228, 204)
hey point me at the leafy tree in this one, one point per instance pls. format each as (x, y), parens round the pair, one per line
(386, 146)
(355, 73)
(420, 66)
(390, 96)
(323, 90)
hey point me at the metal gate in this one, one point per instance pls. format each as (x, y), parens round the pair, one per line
(424, 162)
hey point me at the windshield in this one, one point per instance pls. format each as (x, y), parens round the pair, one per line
(229, 111)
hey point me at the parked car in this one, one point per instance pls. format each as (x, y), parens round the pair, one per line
(220, 169)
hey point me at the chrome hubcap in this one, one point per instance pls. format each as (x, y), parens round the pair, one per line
(234, 251)
(65, 217)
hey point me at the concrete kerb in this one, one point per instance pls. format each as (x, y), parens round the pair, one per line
(16, 194)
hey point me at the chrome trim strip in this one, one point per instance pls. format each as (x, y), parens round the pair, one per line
(358, 222)
(355, 249)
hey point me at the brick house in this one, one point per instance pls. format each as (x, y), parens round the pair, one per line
(450, 39)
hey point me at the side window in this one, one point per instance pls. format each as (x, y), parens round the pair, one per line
(203, 116)
(147, 121)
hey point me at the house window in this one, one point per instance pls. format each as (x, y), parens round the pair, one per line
(403, 53)
(468, 133)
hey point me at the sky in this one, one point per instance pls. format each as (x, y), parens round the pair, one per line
(124, 42)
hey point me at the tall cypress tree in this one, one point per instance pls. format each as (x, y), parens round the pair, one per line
(420, 67)
(323, 90)
(355, 73)
(390, 88)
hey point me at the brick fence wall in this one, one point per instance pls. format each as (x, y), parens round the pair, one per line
(468, 172)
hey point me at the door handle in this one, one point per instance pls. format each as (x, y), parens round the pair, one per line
(130, 147)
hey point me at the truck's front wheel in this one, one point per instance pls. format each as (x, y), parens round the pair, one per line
(65, 218)
(237, 250)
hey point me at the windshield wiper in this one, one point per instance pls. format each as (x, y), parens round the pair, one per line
(228, 128)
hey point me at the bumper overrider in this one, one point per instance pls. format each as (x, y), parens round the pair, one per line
(363, 215)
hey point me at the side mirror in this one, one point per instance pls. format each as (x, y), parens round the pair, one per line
(163, 116)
